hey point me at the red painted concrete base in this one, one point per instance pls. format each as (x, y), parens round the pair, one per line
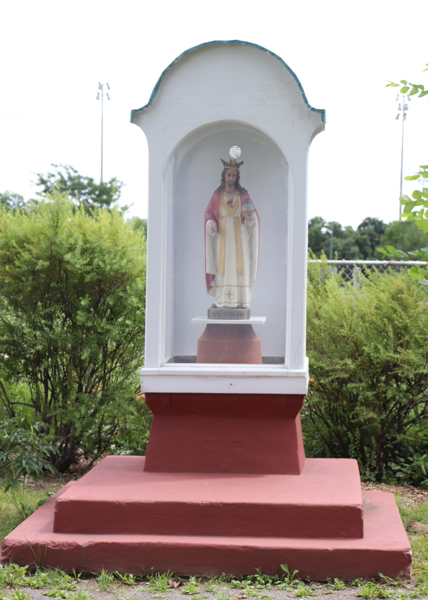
(118, 496)
(109, 500)
(225, 433)
(233, 343)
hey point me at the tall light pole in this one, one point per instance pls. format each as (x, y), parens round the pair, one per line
(100, 96)
(330, 232)
(403, 107)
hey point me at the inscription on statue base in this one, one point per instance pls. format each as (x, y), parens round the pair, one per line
(229, 313)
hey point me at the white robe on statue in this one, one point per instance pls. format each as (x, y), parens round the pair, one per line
(232, 253)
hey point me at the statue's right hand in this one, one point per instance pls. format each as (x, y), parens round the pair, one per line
(211, 227)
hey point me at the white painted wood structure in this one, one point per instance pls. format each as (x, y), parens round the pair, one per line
(250, 321)
(210, 98)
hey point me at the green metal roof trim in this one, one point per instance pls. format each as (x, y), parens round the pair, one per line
(157, 86)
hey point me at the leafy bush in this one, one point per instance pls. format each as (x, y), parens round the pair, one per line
(72, 322)
(24, 452)
(413, 471)
(368, 357)
(132, 436)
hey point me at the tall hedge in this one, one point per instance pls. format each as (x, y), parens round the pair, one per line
(72, 290)
(368, 361)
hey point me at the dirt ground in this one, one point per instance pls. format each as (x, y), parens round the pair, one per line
(225, 592)
(407, 493)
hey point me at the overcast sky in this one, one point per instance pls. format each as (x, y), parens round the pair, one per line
(54, 53)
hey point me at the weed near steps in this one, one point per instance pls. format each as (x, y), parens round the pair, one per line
(15, 581)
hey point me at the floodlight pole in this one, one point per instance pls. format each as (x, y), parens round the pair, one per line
(101, 97)
(403, 107)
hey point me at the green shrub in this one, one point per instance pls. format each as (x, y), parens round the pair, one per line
(72, 322)
(24, 451)
(132, 435)
(368, 360)
(412, 470)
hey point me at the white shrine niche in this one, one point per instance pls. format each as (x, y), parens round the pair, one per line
(192, 177)
(212, 98)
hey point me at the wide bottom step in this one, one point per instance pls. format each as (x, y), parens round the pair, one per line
(384, 549)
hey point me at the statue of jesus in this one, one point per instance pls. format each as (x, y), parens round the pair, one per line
(231, 241)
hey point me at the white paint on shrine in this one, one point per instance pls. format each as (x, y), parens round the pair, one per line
(217, 96)
(250, 321)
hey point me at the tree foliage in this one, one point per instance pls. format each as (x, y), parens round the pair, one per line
(368, 357)
(370, 232)
(348, 244)
(139, 223)
(11, 201)
(71, 321)
(85, 191)
(406, 236)
(412, 89)
(416, 207)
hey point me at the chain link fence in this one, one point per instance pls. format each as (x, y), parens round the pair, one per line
(352, 270)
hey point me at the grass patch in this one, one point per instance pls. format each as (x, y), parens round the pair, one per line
(105, 580)
(192, 587)
(159, 582)
(419, 541)
(420, 560)
(417, 512)
(18, 504)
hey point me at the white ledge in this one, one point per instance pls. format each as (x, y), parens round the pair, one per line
(250, 321)
(224, 379)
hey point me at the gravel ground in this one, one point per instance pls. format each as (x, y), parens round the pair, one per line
(221, 592)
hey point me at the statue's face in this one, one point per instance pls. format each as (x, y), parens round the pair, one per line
(230, 177)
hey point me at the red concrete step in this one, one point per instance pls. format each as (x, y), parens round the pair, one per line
(118, 497)
(384, 549)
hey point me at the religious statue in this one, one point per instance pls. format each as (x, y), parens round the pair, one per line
(231, 240)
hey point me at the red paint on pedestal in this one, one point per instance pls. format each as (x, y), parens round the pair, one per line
(225, 433)
(118, 496)
(233, 343)
(125, 517)
(384, 548)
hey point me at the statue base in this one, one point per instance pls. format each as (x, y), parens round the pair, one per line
(229, 313)
(232, 344)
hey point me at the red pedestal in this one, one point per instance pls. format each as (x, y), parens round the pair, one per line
(231, 344)
(325, 501)
(225, 433)
(224, 488)
(121, 518)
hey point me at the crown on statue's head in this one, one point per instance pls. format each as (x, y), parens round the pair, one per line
(232, 164)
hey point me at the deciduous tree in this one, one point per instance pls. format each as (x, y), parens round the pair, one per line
(11, 201)
(415, 207)
(84, 191)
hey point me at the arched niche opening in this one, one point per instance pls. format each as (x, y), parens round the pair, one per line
(192, 174)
